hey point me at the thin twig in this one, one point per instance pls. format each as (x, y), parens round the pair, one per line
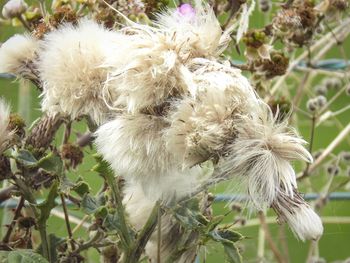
(15, 217)
(66, 219)
(269, 239)
(327, 151)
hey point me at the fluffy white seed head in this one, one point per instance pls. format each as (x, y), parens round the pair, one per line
(132, 144)
(134, 147)
(260, 155)
(70, 67)
(202, 124)
(147, 73)
(14, 8)
(301, 218)
(198, 33)
(5, 134)
(157, 68)
(17, 53)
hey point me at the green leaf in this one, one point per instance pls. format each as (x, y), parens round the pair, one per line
(102, 167)
(215, 221)
(101, 212)
(225, 235)
(112, 223)
(81, 188)
(25, 157)
(90, 204)
(189, 215)
(232, 253)
(49, 203)
(65, 185)
(52, 163)
(25, 256)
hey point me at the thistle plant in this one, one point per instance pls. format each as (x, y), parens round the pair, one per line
(168, 113)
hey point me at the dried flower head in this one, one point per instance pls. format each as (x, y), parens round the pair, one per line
(72, 153)
(17, 124)
(5, 133)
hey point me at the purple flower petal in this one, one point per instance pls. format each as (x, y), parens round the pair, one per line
(186, 11)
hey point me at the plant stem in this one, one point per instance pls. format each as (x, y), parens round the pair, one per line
(327, 151)
(126, 236)
(146, 232)
(66, 219)
(28, 195)
(269, 239)
(159, 235)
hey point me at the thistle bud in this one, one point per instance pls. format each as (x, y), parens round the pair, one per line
(14, 8)
(346, 156)
(321, 101)
(332, 83)
(321, 90)
(265, 5)
(312, 105)
(333, 169)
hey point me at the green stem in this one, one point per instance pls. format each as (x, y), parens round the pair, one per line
(126, 236)
(146, 232)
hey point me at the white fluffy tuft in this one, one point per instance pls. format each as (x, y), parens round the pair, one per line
(157, 68)
(70, 68)
(202, 124)
(16, 53)
(301, 218)
(134, 147)
(260, 156)
(198, 36)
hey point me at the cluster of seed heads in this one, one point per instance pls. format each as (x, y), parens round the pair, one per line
(328, 84)
(316, 103)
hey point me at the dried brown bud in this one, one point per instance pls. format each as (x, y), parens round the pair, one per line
(72, 153)
(26, 222)
(43, 133)
(236, 207)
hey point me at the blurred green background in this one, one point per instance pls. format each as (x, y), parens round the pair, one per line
(335, 243)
